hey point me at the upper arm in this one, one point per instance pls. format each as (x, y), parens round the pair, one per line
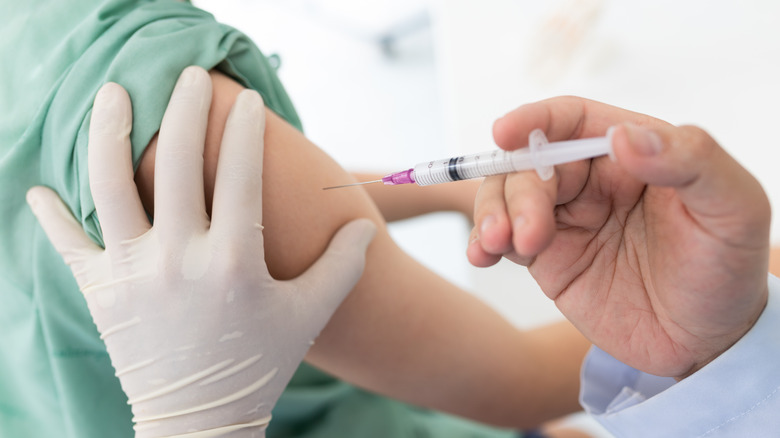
(299, 218)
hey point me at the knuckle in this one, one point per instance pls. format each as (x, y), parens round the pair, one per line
(245, 121)
(231, 264)
(525, 187)
(179, 152)
(697, 141)
(242, 171)
(111, 191)
(185, 102)
(491, 188)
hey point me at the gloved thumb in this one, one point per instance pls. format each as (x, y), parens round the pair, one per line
(712, 185)
(64, 232)
(328, 281)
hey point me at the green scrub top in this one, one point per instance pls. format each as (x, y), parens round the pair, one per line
(56, 379)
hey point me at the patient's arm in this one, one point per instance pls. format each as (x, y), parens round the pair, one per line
(403, 331)
(774, 260)
(409, 200)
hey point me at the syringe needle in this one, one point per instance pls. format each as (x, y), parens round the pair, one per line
(354, 184)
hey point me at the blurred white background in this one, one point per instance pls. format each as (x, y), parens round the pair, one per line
(385, 84)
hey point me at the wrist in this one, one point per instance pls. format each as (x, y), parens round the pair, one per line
(727, 342)
(253, 428)
(211, 403)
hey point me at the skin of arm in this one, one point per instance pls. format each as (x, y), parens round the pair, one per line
(403, 331)
(409, 200)
(774, 261)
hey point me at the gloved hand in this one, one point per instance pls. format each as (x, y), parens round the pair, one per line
(202, 338)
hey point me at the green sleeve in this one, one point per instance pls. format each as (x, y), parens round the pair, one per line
(144, 49)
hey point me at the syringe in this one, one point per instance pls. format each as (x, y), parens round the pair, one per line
(540, 155)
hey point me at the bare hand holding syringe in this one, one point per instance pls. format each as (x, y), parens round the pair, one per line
(540, 155)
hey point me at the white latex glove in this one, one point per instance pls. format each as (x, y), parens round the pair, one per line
(202, 338)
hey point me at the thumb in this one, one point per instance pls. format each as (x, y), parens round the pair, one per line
(326, 283)
(714, 188)
(64, 232)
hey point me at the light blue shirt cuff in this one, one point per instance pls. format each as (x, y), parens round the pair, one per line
(737, 394)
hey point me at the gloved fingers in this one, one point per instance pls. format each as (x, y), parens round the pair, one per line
(238, 191)
(179, 201)
(62, 229)
(111, 181)
(327, 282)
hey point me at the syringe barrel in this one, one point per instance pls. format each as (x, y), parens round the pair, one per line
(540, 156)
(471, 166)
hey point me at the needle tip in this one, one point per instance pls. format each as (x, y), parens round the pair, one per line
(353, 184)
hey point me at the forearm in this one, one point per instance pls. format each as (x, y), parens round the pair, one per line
(409, 200)
(431, 344)
(774, 261)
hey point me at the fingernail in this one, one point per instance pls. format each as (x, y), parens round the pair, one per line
(519, 222)
(487, 223)
(365, 234)
(110, 115)
(105, 96)
(644, 141)
(248, 104)
(611, 153)
(32, 199)
(188, 77)
(368, 234)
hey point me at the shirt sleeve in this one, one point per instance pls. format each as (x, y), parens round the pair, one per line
(737, 394)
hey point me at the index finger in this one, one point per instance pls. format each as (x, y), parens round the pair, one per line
(563, 118)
